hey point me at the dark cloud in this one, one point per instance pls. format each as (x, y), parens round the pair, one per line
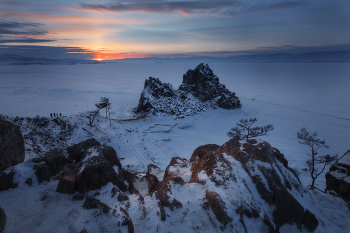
(20, 28)
(259, 50)
(219, 8)
(25, 40)
(164, 6)
(51, 52)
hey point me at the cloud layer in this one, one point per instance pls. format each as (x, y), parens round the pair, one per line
(218, 8)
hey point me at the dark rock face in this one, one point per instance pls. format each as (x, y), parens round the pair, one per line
(202, 83)
(94, 173)
(338, 177)
(93, 203)
(2, 219)
(6, 180)
(123, 197)
(12, 149)
(93, 167)
(217, 205)
(110, 154)
(48, 164)
(199, 91)
(77, 151)
(66, 183)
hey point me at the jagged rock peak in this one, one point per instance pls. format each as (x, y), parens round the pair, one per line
(199, 91)
(204, 84)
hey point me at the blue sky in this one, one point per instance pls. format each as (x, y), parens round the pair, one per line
(111, 29)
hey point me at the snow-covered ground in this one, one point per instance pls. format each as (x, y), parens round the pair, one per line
(289, 96)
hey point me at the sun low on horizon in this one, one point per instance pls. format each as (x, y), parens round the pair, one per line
(168, 28)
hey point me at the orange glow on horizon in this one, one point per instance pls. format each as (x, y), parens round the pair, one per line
(100, 56)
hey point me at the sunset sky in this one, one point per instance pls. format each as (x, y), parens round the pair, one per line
(113, 29)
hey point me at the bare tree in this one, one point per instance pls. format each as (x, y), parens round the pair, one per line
(104, 103)
(91, 115)
(315, 144)
(244, 129)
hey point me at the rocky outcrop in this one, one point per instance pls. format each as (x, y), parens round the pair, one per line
(77, 151)
(217, 205)
(67, 179)
(11, 145)
(2, 219)
(48, 165)
(338, 177)
(93, 168)
(93, 203)
(267, 173)
(6, 180)
(204, 84)
(152, 92)
(199, 91)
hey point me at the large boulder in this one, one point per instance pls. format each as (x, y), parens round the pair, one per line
(95, 172)
(77, 151)
(338, 177)
(204, 84)
(93, 168)
(48, 165)
(2, 219)
(12, 149)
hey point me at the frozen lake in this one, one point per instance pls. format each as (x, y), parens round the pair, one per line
(68, 89)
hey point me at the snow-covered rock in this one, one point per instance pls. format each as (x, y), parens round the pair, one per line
(199, 91)
(338, 177)
(204, 84)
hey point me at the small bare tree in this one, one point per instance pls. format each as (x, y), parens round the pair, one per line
(244, 129)
(91, 115)
(104, 103)
(315, 144)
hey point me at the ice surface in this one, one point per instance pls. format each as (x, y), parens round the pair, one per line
(345, 159)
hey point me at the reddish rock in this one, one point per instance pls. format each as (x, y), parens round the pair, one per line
(217, 205)
(201, 151)
(66, 183)
(174, 161)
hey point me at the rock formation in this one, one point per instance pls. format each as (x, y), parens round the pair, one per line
(92, 168)
(204, 84)
(2, 219)
(338, 177)
(11, 145)
(199, 91)
(48, 165)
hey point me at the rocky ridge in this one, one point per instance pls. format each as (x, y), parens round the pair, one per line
(338, 177)
(200, 91)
